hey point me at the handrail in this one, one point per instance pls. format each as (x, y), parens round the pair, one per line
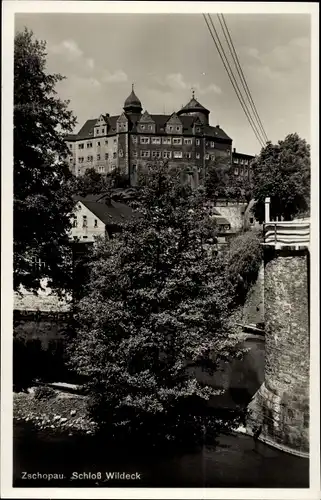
(287, 233)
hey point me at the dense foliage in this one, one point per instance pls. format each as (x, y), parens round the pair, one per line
(282, 172)
(222, 183)
(242, 263)
(158, 299)
(42, 200)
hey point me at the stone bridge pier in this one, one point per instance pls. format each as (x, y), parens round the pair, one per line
(281, 405)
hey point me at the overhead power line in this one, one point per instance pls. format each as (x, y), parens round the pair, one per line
(238, 66)
(232, 79)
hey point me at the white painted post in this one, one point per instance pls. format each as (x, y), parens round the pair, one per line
(267, 209)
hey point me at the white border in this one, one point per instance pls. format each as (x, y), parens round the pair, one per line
(9, 8)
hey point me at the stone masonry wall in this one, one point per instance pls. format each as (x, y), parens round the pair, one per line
(282, 403)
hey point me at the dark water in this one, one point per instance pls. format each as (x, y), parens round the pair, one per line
(231, 464)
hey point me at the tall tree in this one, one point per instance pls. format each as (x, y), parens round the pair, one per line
(42, 198)
(282, 172)
(158, 299)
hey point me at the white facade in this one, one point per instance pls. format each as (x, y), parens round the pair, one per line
(86, 225)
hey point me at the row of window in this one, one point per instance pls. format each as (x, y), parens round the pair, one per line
(81, 159)
(170, 154)
(242, 162)
(153, 140)
(84, 222)
(240, 171)
(90, 144)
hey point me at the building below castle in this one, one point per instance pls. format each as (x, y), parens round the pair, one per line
(134, 139)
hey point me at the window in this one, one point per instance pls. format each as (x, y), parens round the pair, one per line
(95, 223)
(142, 127)
(115, 140)
(106, 142)
(89, 158)
(75, 223)
(114, 154)
(97, 131)
(150, 127)
(70, 159)
(178, 129)
(212, 157)
(177, 154)
(246, 162)
(167, 154)
(212, 144)
(207, 157)
(85, 237)
(144, 140)
(156, 154)
(251, 220)
(198, 142)
(84, 221)
(236, 171)
(241, 171)
(198, 129)
(135, 154)
(156, 140)
(145, 154)
(188, 155)
(177, 140)
(81, 146)
(134, 167)
(89, 144)
(121, 154)
(198, 156)
(236, 160)
(187, 141)
(106, 156)
(98, 157)
(135, 139)
(170, 128)
(102, 130)
(166, 140)
(101, 169)
(98, 143)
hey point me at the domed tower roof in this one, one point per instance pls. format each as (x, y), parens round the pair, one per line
(193, 106)
(132, 103)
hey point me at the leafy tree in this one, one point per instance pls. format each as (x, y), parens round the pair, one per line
(242, 262)
(42, 200)
(282, 172)
(158, 299)
(91, 182)
(222, 183)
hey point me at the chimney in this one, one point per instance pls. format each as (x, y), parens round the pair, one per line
(217, 126)
(234, 150)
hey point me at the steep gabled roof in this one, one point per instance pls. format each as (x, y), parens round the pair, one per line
(111, 213)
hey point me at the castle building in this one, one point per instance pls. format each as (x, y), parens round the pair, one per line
(134, 139)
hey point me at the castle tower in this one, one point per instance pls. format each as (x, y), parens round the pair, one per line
(194, 108)
(133, 106)
(281, 405)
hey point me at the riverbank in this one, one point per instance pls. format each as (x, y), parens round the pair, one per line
(62, 413)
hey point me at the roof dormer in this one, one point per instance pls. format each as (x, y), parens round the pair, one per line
(146, 123)
(174, 125)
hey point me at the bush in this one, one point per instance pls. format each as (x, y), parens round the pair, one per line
(44, 392)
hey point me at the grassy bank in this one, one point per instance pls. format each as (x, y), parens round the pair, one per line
(62, 412)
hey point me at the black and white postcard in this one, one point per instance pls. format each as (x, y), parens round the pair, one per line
(160, 250)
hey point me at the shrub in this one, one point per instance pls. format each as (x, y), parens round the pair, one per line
(44, 392)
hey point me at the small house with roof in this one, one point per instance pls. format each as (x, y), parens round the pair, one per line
(97, 216)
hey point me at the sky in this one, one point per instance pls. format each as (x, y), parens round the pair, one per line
(166, 55)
